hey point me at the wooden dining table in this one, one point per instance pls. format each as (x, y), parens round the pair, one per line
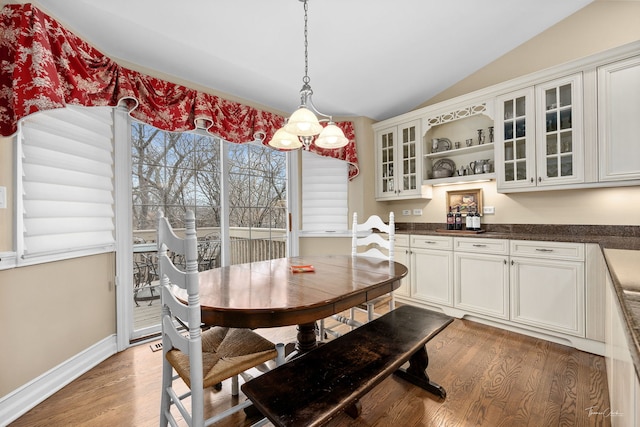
(269, 293)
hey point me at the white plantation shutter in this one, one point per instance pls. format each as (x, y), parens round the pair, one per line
(324, 194)
(67, 182)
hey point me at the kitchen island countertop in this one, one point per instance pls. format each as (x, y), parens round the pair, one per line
(620, 245)
(624, 266)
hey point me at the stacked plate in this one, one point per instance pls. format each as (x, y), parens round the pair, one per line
(443, 168)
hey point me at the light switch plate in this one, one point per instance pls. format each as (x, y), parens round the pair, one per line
(406, 212)
(3, 197)
(488, 210)
(417, 211)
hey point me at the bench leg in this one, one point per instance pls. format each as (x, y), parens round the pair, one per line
(416, 373)
(354, 410)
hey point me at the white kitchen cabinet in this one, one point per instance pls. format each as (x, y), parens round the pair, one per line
(539, 136)
(624, 387)
(552, 288)
(618, 123)
(548, 285)
(401, 255)
(432, 269)
(399, 162)
(481, 276)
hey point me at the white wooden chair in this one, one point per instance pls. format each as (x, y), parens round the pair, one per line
(373, 237)
(201, 359)
(377, 237)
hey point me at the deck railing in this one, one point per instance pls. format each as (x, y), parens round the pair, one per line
(251, 250)
(241, 249)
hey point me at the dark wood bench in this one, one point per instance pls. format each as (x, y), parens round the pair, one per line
(311, 389)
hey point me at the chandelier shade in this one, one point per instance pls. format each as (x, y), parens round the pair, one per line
(284, 140)
(331, 137)
(303, 123)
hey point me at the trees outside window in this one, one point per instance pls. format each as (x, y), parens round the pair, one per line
(174, 172)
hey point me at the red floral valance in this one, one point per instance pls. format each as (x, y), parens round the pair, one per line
(45, 66)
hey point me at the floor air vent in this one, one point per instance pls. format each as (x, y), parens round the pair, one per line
(156, 347)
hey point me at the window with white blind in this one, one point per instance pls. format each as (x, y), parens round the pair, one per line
(65, 179)
(325, 205)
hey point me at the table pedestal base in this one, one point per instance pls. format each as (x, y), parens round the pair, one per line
(306, 340)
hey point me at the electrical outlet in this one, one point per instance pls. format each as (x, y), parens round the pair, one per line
(417, 211)
(488, 210)
(406, 212)
(3, 197)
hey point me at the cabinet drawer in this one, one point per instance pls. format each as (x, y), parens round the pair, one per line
(402, 240)
(555, 250)
(432, 242)
(480, 245)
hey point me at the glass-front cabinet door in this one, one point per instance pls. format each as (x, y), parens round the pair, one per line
(409, 178)
(539, 135)
(515, 137)
(559, 108)
(398, 162)
(386, 162)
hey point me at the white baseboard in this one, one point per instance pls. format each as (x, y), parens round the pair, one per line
(24, 398)
(583, 344)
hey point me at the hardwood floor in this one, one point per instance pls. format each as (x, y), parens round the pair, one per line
(492, 377)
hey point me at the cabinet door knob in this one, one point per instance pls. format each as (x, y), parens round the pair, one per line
(532, 180)
(512, 262)
(539, 179)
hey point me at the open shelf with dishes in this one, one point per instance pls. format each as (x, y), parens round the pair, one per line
(459, 151)
(458, 146)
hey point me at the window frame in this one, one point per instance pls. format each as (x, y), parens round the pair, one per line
(124, 263)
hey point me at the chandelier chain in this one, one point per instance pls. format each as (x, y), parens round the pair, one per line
(306, 78)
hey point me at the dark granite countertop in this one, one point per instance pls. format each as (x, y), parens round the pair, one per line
(607, 236)
(620, 245)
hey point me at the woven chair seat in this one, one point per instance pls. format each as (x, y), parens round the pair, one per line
(225, 352)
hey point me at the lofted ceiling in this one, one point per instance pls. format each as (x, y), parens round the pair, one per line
(372, 58)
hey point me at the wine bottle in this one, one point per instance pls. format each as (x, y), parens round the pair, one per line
(458, 220)
(476, 221)
(450, 220)
(469, 220)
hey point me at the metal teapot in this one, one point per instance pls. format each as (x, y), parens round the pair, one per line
(475, 167)
(478, 166)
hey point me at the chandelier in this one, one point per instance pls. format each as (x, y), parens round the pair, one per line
(303, 125)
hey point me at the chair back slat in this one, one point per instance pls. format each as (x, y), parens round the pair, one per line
(178, 308)
(374, 239)
(374, 222)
